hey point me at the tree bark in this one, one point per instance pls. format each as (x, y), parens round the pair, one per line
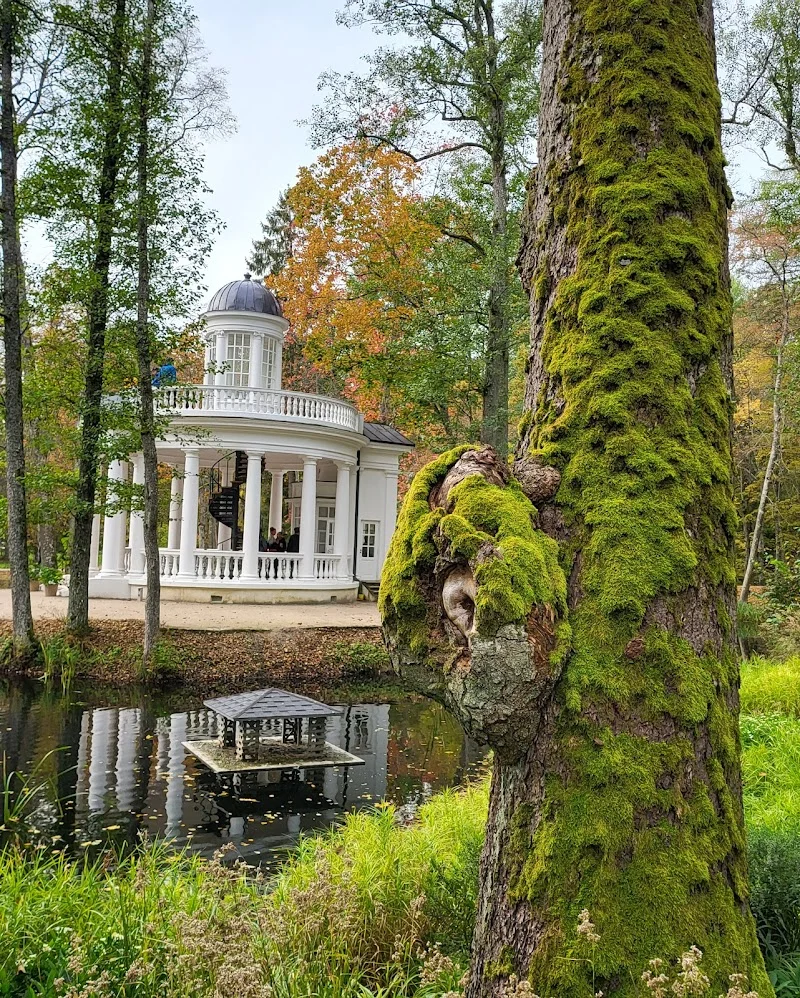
(152, 609)
(613, 713)
(22, 617)
(91, 408)
(775, 447)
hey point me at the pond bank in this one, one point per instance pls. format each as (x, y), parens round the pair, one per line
(222, 660)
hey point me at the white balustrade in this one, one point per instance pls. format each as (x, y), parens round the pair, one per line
(170, 563)
(126, 561)
(278, 567)
(326, 566)
(184, 400)
(218, 566)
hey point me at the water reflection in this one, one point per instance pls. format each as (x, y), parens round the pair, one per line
(116, 767)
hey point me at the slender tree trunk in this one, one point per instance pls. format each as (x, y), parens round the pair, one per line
(91, 408)
(777, 426)
(596, 654)
(152, 609)
(22, 617)
(494, 428)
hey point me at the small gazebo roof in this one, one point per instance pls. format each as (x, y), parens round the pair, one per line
(261, 704)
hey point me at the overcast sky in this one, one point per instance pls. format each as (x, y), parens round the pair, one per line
(273, 51)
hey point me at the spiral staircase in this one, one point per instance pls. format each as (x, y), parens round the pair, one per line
(225, 499)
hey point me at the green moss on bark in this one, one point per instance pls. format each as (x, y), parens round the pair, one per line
(642, 823)
(491, 528)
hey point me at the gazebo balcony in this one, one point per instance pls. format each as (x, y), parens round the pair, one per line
(294, 407)
(274, 568)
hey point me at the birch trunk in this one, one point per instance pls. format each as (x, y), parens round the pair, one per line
(774, 451)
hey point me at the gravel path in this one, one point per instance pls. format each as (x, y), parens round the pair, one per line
(209, 616)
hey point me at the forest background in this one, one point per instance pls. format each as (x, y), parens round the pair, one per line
(393, 252)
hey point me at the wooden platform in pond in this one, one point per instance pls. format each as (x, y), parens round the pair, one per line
(281, 756)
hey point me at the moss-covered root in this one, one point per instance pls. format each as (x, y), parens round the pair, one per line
(473, 599)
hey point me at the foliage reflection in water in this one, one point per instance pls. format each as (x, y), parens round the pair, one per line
(113, 767)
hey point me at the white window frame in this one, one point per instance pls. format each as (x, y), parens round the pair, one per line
(269, 362)
(237, 373)
(369, 539)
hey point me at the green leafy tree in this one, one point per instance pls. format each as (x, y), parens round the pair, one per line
(470, 67)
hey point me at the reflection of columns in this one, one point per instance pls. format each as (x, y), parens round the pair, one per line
(94, 548)
(341, 527)
(177, 755)
(256, 353)
(101, 757)
(390, 511)
(222, 358)
(252, 518)
(191, 496)
(136, 536)
(114, 526)
(127, 747)
(82, 765)
(276, 501)
(308, 518)
(174, 535)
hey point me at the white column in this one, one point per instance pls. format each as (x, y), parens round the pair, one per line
(252, 518)
(341, 526)
(191, 496)
(276, 501)
(174, 534)
(308, 518)
(222, 357)
(390, 512)
(114, 526)
(94, 548)
(256, 353)
(136, 535)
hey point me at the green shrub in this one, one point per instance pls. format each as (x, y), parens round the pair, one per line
(360, 658)
(775, 889)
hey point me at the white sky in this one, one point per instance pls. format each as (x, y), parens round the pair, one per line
(274, 51)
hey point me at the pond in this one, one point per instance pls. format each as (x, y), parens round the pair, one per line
(111, 766)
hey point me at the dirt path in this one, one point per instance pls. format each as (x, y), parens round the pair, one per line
(210, 617)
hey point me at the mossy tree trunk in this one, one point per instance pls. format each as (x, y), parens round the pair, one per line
(589, 640)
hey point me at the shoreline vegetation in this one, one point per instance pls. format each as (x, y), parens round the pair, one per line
(374, 909)
(208, 661)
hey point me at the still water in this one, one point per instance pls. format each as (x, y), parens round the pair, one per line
(112, 766)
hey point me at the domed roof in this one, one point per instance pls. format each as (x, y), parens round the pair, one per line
(245, 296)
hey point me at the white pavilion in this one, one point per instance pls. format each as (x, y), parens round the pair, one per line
(248, 456)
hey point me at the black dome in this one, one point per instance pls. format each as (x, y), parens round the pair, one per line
(245, 296)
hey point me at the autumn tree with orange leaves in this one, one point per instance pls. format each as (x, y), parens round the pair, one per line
(384, 307)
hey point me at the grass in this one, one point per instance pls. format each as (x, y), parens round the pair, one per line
(353, 913)
(370, 910)
(771, 687)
